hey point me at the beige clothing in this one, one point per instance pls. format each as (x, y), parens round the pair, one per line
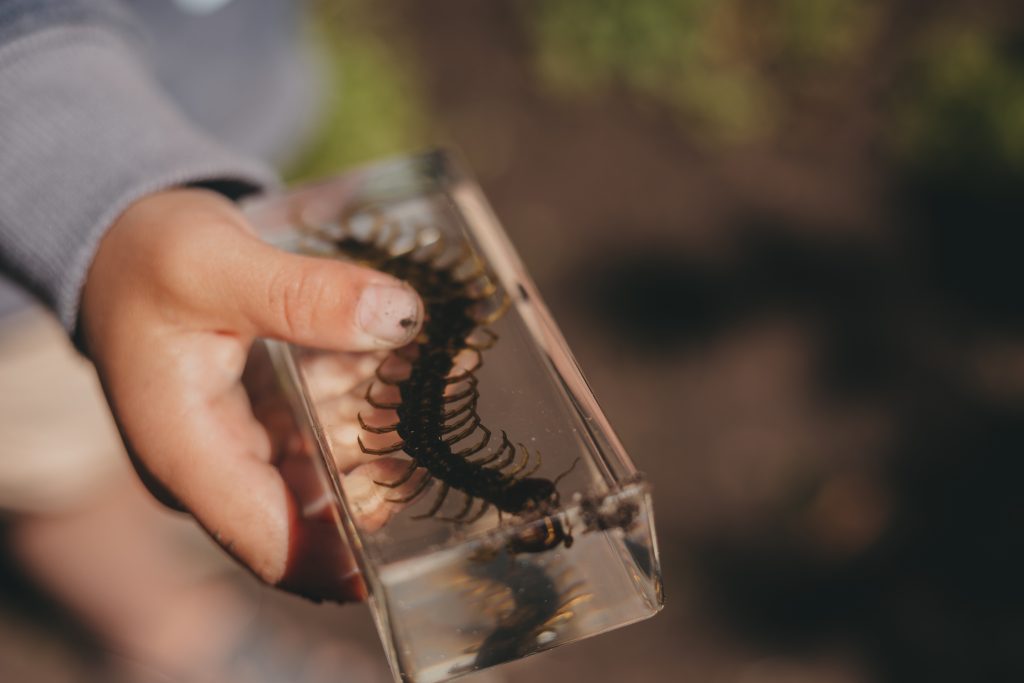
(58, 442)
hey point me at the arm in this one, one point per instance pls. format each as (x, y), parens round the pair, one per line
(166, 287)
(84, 132)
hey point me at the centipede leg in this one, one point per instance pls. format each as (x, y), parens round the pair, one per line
(487, 291)
(507, 460)
(565, 611)
(375, 229)
(492, 339)
(393, 448)
(453, 261)
(481, 512)
(377, 404)
(535, 467)
(465, 453)
(505, 443)
(577, 600)
(384, 429)
(463, 512)
(464, 433)
(389, 381)
(405, 357)
(417, 491)
(478, 270)
(438, 502)
(470, 390)
(496, 314)
(385, 240)
(434, 250)
(521, 466)
(448, 429)
(469, 372)
(455, 412)
(406, 476)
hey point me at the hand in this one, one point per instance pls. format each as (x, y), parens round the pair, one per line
(178, 291)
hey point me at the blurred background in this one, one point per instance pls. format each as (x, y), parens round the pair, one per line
(783, 239)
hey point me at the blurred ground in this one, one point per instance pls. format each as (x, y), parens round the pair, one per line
(783, 240)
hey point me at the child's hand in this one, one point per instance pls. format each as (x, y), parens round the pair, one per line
(178, 291)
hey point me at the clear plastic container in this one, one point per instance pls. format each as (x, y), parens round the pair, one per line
(507, 518)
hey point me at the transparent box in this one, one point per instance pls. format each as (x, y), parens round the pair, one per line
(507, 519)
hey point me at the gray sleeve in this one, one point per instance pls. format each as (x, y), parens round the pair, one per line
(84, 132)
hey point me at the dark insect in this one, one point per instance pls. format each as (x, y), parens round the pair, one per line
(544, 534)
(538, 600)
(438, 425)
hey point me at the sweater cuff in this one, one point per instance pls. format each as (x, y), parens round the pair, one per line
(85, 132)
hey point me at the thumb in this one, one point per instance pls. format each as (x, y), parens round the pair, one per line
(319, 302)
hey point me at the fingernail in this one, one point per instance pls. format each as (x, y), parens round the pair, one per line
(388, 313)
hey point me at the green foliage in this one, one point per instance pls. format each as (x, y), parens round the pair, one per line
(716, 63)
(962, 102)
(373, 106)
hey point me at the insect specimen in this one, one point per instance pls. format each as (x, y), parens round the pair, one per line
(438, 425)
(529, 601)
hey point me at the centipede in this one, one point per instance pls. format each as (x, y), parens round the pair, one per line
(438, 425)
(530, 601)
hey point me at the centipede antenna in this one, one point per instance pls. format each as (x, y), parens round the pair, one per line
(406, 476)
(464, 433)
(506, 302)
(393, 448)
(477, 448)
(566, 473)
(417, 491)
(383, 429)
(438, 502)
(468, 372)
(377, 404)
(448, 429)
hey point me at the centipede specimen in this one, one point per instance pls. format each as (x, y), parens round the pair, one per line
(438, 425)
(533, 600)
